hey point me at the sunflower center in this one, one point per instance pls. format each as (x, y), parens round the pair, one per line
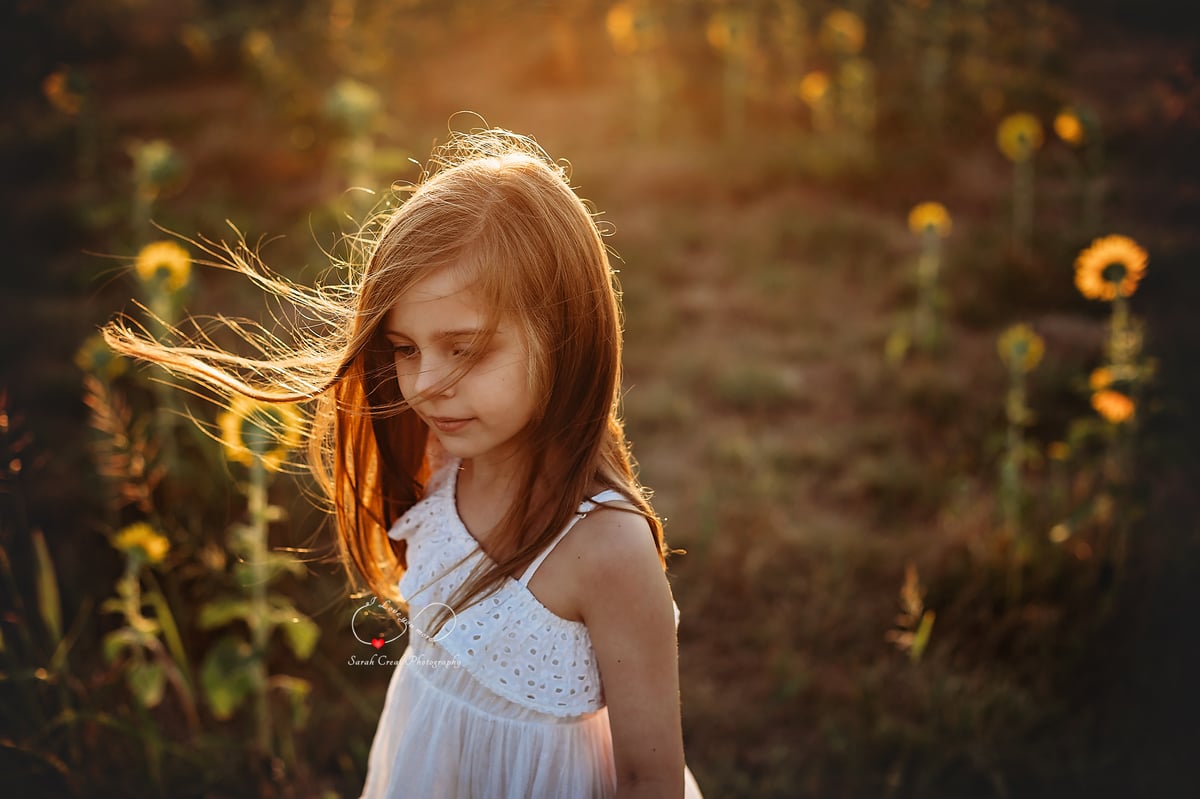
(256, 437)
(1114, 272)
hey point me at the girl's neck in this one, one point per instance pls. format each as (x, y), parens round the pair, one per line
(486, 490)
(492, 476)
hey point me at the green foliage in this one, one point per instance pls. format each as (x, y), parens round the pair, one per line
(49, 604)
(146, 682)
(230, 675)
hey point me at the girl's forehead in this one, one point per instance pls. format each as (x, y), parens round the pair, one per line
(445, 283)
(447, 295)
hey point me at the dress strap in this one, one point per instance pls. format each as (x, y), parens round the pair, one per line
(585, 507)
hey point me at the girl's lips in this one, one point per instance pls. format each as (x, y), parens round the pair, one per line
(447, 425)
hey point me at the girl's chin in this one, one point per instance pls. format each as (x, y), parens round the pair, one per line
(455, 446)
(458, 447)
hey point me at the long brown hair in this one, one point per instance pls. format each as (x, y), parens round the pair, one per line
(494, 200)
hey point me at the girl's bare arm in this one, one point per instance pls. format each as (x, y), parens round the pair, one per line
(625, 600)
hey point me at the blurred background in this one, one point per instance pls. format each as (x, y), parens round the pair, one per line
(911, 366)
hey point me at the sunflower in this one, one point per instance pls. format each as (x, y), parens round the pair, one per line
(930, 217)
(1113, 405)
(257, 46)
(813, 87)
(253, 430)
(1100, 378)
(197, 41)
(1019, 136)
(1110, 267)
(619, 23)
(96, 357)
(843, 32)
(1069, 127)
(140, 536)
(156, 166)
(61, 91)
(1058, 451)
(1021, 348)
(631, 29)
(165, 261)
(730, 33)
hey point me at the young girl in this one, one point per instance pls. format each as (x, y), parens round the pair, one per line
(466, 431)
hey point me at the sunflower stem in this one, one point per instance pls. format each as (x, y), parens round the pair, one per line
(1023, 202)
(161, 306)
(1010, 479)
(1118, 354)
(259, 628)
(933, 67)
(87, 139)
(927, 321)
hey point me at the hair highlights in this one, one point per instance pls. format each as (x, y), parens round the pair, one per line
(495, 203)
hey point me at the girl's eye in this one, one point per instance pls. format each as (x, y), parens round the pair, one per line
(405, 351)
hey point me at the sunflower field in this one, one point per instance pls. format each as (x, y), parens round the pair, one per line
(911, 366)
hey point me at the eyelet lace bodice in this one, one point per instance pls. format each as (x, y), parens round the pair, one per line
(509, 641)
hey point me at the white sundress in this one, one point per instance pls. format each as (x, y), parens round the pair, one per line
(504, 702)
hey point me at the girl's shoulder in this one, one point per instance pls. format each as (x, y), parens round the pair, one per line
(607, 541)
(611, 530)
(617, 573)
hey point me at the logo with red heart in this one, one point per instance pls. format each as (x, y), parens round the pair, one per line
(377, 624)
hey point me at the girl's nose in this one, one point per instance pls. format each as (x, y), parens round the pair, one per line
(431, 379)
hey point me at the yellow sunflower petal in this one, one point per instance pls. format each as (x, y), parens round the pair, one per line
(930, 216)
(632, 28)
(166, 261)
(843, 32)
(273, 430)
(57, 88)
(142, 536)
(1113, 406)
(1069, 127)
(1111, 266)
(813, 87)
(230, 423)
(1101, 378)
(1019, 136)
(1021, 348)
(730, 32)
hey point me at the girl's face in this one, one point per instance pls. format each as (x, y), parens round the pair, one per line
(433, 329)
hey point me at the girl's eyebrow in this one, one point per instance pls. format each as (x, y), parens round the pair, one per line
(444, 334)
